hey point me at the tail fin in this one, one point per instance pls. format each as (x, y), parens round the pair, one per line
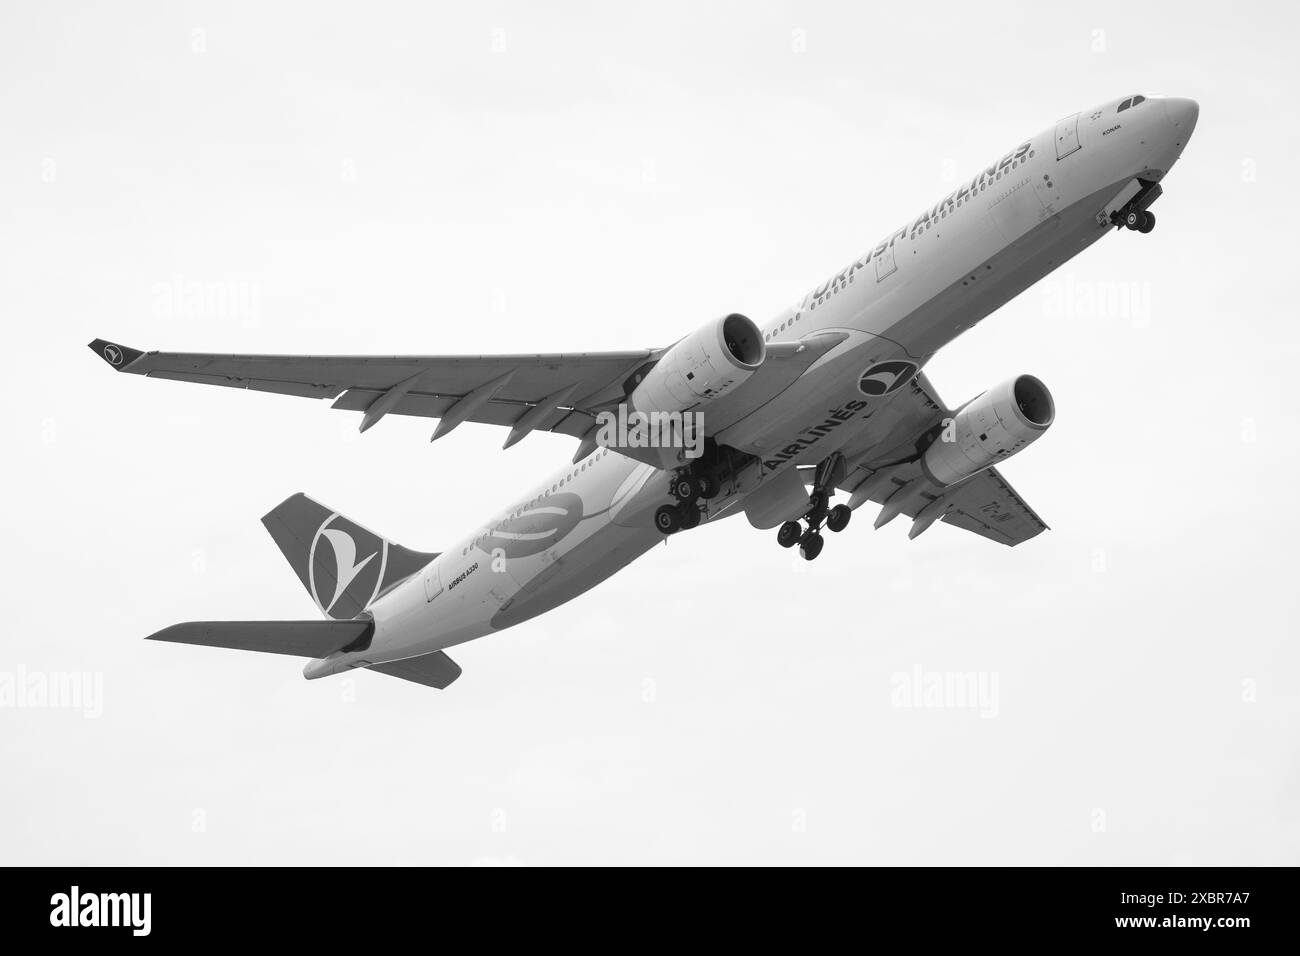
(343, 566)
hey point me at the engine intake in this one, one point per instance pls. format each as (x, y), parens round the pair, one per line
(710, 362)
(990, 427)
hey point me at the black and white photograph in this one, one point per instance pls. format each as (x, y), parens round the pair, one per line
(715, 434)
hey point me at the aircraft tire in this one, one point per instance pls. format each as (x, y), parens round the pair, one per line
(686, 488)
(838, 518)
(789, 534)
(810, 545)
(668, 520)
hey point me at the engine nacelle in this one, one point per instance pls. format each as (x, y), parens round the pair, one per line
(987, 429)
(710, 362)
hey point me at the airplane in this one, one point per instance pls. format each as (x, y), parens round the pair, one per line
(772, 421)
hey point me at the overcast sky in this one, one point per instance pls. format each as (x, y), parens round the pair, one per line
(369, 177)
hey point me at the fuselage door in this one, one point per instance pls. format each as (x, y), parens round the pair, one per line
(886, 264)
(1067, 136)
(432, 581)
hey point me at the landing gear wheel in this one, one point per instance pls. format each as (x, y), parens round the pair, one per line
(686, 488)
(810, 545)
(789, 534)
(838, 519)
(668, 519)
(1148, 223)
(709, 487)
(690, 516)
(1133, 219)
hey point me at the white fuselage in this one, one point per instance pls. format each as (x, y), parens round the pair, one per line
(914, 291)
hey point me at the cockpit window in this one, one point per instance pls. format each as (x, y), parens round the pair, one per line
(1131, 101)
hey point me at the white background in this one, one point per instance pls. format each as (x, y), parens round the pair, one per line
(405, 179)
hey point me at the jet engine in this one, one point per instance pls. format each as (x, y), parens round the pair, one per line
(988, 428)
(710, 362)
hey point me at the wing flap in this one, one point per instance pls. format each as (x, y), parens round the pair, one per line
(564, 420)
(298, 389)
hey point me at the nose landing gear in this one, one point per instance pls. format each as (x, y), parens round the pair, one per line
(1139, 220)
(1135, 215)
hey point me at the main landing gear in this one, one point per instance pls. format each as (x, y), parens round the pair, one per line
(810, 541)
(689, 489)
(819, 512)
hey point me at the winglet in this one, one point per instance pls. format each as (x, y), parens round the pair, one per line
(118, 356)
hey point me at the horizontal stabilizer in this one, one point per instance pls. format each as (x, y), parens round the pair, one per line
(298, 638)
(432, 670)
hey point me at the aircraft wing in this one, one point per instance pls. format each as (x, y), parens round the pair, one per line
(985, 503)
(989, 506)
(552, 392)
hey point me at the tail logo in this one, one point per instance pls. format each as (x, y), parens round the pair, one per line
(342, 583)
(112, 354)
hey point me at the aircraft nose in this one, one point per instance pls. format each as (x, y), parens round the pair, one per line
(1182, 113)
